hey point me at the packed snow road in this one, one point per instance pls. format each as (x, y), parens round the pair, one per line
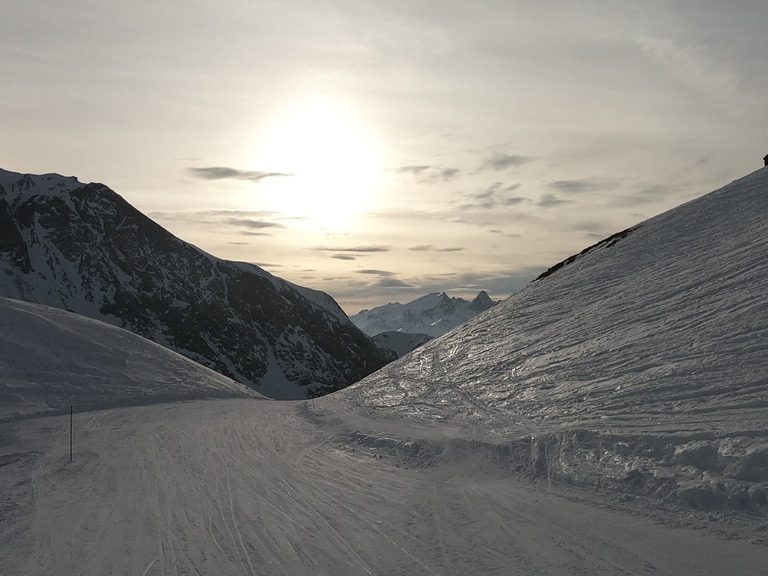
(258, 487)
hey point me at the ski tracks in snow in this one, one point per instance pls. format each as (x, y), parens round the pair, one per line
(240, 487)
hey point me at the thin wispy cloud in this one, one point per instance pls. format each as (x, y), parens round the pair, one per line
(251, 223)
(550, 201)
(353, 249)
(500, 161)
(226, 173)
(581, 186)
(343, 257)
(429, 174)
(393, 283)
(691, 65)
(244, 222)
(494, 196)
(375, 272)
(211, 216)
(430, 248)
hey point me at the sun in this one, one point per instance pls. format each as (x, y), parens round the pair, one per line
(333, 164)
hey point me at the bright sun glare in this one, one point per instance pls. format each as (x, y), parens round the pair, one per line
(333, 162)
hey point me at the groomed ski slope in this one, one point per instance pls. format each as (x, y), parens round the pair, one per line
(231, 487)
(609, 419)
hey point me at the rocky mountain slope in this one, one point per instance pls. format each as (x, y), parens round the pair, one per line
(401, 343)
(433, 314)
(83, 248)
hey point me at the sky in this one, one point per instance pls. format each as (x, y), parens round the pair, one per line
(380, 151)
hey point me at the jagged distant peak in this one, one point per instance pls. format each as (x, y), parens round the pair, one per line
(435, 314)
(482, 302)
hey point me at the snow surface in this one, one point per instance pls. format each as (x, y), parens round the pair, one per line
(51, 359)
(476, 454)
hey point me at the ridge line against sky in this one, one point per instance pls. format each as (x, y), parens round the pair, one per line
(383, 151)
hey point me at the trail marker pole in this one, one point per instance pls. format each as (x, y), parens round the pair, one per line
(71, 412)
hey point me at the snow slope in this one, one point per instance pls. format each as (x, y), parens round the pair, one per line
(642, 364)
(51, 359)
(609, 419)
(240, 487)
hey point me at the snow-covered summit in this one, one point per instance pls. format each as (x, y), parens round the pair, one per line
(433, 314)
(13, 184)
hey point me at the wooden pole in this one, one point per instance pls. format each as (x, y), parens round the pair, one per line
(71, 412)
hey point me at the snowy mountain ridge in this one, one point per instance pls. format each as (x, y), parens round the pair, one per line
(433, 314)
(83, 248)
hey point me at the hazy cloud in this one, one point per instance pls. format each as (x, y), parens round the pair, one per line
(359, 249)
(500, 285)
(550, 200)
(430, 248)
(250, 220)
(375, 272)
(393, 283)
(211, 216)
(646, 195)
(580, 186)
(429, 174)
(691, 66)
(250, 223)
(343, 257)
(500, 161)
(225, 173)
(493, 196)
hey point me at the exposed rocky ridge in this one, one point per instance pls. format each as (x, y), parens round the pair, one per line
(83, 248)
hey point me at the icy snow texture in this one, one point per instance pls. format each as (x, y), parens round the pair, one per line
(621, 366)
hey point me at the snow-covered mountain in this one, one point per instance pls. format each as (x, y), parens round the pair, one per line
(433, 314)
(611, 418)
(83, 248)
(638, 365)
